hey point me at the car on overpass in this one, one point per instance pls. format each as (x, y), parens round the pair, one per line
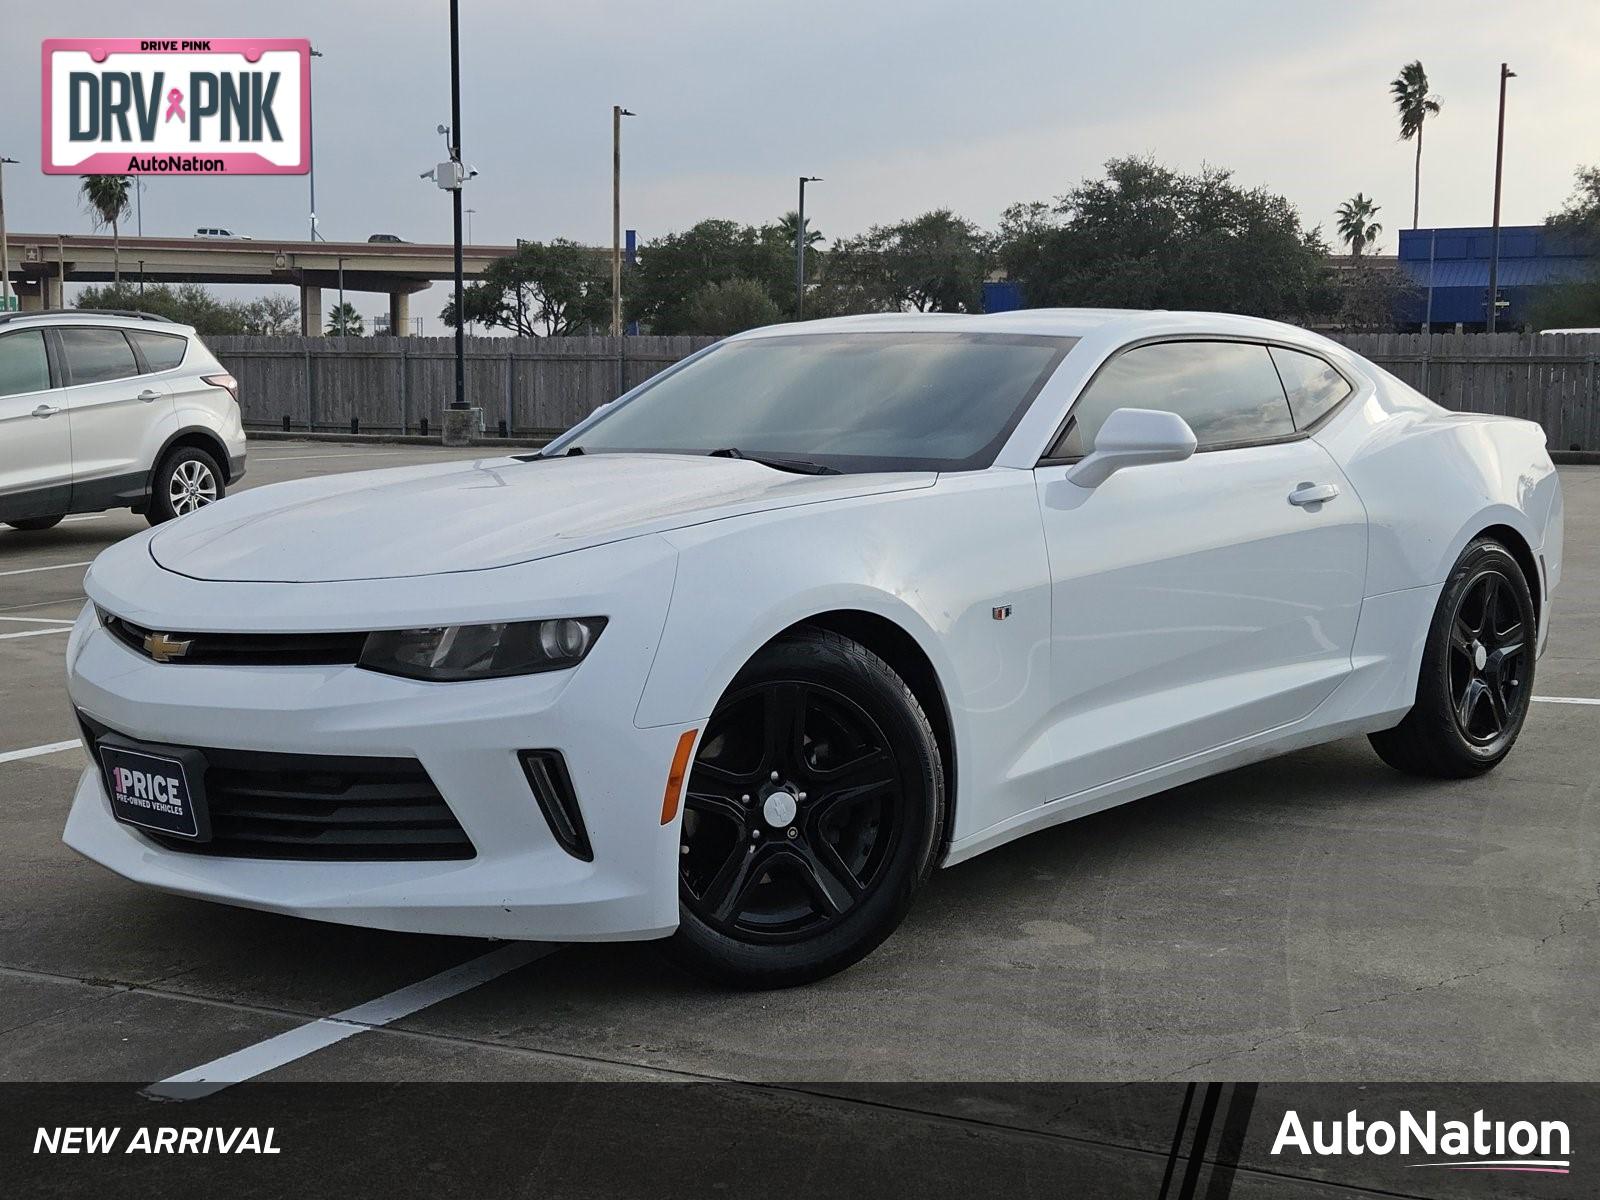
(112, 409)
(742, 657)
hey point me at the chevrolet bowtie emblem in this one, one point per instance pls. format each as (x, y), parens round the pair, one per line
(163, 648)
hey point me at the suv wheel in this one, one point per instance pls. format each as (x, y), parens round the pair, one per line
(811, 816)
(188, 478)
(34, 524)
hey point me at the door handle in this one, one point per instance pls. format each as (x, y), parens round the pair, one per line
(45, 410)
(1313, 493)
(148, 395)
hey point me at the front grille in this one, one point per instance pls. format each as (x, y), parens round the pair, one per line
(239, 649)
(319, 807)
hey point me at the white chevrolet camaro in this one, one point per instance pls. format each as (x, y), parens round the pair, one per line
(746, 654)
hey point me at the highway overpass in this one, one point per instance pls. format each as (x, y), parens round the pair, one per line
(40, 262)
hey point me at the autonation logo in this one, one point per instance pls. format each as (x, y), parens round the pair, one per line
(1476, 1145)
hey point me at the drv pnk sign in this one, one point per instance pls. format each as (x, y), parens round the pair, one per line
(151, 106)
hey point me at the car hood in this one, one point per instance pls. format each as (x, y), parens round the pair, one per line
(474, 516)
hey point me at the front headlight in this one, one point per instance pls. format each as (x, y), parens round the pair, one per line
(447, 653)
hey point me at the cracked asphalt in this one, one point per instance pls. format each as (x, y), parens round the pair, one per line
(1316, 917)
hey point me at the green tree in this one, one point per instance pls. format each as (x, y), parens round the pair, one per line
(344, 320)
(1356, 225)
(106, 198)
(1146, 236)
(188, 304)
(271, 316)
(1415, 105)
(674, 267)
(552, 289)
(730, 306)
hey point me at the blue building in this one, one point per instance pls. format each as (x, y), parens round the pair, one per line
(1453, 265)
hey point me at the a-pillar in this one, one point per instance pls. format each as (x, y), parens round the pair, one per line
(399, 314)
(310, 310)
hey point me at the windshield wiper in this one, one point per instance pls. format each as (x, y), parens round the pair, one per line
(799, 466)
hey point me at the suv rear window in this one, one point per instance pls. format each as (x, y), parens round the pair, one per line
(23, 365)
(96, 355)
(162, 351)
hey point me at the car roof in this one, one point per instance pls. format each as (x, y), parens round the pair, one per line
(91, 316)
(1120, 324)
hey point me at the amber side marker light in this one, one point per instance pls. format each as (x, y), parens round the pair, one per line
(676, 776)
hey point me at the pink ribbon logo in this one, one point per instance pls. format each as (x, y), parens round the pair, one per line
(175, 105)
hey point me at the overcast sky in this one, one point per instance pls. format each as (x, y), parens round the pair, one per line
(901, 105)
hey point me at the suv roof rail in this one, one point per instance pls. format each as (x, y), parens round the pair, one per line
(88, 312)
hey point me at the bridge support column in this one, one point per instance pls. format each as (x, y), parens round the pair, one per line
(399, 314)
(310, 310)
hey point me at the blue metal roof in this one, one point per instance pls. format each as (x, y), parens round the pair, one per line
(1530, 256)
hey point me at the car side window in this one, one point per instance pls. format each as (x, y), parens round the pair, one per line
(96, 355)
(1314, 387)
(1228, 392)
(24, 366)
(162, 351)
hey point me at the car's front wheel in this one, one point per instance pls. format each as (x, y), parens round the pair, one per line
(811, 816)
(1476, 679)
(187, 478)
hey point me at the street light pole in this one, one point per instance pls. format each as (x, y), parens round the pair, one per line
(469, 212)
(311, 150)
(1494, 248)
(455, 201)
(5, 254)
(800, 248)
(344, 325)
(617, 113)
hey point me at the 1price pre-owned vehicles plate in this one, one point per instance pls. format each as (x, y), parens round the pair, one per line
(742, 657)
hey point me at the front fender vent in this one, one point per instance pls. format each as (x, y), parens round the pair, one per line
(552, 788)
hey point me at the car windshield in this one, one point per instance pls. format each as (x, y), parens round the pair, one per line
(845, 401)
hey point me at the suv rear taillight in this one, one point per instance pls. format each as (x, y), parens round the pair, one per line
(226, 382)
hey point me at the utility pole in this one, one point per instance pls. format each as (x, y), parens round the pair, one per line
(1494, 249)
(617, 113)
(800, 247)
(5, 254)
(311, 150)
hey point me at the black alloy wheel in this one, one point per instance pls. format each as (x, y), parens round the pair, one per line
(810, 815)
(1475, 681)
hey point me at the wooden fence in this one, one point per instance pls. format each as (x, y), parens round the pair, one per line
(391, 384)
(540, 386)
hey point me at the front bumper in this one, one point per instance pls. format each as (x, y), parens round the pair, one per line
(521, 882)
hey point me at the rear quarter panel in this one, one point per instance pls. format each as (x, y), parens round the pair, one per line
(1432, 480)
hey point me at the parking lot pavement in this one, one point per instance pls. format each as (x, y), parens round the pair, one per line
(1313, 917)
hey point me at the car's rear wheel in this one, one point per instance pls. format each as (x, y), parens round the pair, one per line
(1477, 671)
(34, 524)
(811, 816)
(188, 478)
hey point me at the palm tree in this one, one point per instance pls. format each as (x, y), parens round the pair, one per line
(1410, 92)
(343, 319)
(106, 197)
(1356, 225)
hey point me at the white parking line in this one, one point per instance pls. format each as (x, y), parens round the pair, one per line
(1565, 700)
(374, 1014)
(7, 637)
(36, 570)
(38, 620)
(38, 751)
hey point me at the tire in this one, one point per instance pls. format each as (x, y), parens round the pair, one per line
(1476, 679)
(186, 479)
(34, 524)
(788, 880)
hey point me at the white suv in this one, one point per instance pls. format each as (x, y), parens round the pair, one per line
(102, 409)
